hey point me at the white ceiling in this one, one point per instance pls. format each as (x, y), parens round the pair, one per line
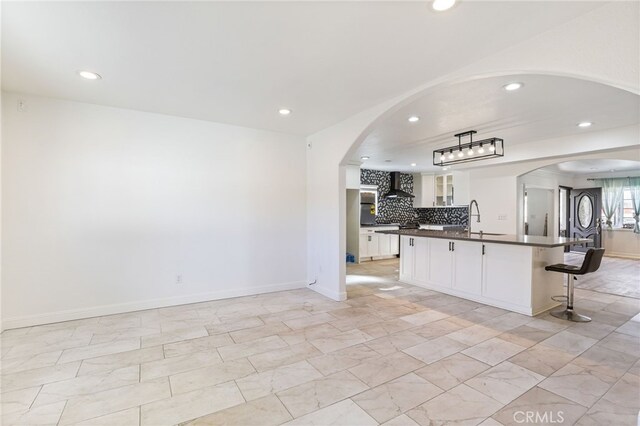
(239, 62)
(596, 166)
(545, 107)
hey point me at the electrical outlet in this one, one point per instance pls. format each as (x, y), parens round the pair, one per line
(502, 217)
(179, 279)
(22, 105)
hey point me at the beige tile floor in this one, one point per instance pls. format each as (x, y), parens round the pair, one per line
(616, 276)
(391, 354)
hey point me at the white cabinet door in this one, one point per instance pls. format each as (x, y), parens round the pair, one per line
(420, 259)
(406, 258)
(394, 244)
(364, 246)
(460, 184)
(467, 267)
(423, 189)
(506, 273)
(439, 269)
(372, 245)
(384, 247)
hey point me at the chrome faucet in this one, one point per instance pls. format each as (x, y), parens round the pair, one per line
(472, 215)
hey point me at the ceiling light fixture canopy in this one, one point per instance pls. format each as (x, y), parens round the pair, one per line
(494, 148)
(441, 5)
(89, 75)
(513, 86)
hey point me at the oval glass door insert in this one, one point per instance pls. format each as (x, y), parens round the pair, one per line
(585, 211)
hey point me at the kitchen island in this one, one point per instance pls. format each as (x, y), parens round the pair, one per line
(506, 271)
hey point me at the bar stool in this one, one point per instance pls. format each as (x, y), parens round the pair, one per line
(591, 263)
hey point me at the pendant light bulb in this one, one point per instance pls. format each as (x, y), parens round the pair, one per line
(450, 154)
(460, 153)
(442, 157)
(492, 147)
(470, 152)
(481, 150)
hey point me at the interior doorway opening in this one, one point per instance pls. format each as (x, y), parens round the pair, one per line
(579, 213)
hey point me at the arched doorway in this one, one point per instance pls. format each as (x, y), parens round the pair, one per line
(572, 207)
(521, 160)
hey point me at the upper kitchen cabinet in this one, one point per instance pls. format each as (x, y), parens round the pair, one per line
(444, 190)
(460, 188)
(424, 190)
(451, 189)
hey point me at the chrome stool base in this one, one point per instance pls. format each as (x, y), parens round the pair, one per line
(570, 315)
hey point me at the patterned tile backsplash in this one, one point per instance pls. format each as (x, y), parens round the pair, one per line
(400, 210)
(449, 215)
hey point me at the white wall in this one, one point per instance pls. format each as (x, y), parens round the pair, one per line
(540, 206)
(353, 177)
(353, 223)
(497, 198)
(621, 243)
(543, 179)
(103, 208)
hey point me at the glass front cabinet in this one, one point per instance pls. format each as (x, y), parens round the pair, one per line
(444, 190)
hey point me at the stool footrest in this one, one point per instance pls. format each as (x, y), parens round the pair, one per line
(562, 298)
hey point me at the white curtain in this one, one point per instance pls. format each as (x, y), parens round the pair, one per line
(612, 194)
(634, 185)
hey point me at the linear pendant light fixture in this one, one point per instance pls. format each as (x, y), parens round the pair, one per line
(469, 151)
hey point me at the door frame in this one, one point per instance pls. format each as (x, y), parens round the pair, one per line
(596, 217)
(567, 217)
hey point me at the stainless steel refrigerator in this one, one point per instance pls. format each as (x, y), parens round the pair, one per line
(367, 208)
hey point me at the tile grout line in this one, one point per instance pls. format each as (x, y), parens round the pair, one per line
(611, 387)
(62, 412)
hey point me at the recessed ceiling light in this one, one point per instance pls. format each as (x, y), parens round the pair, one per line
(413, 164)
(89, 75)
(364, 158)
(585, 124)
(445, 168)
(284, 111)
(441, 5)
(513, 86)
(413, 119)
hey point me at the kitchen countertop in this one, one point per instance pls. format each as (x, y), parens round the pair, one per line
(524, 240)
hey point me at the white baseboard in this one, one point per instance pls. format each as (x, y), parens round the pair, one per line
(623, 255)
(331, 294)
(95, 311)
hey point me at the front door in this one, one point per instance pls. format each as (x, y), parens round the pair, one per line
(586, 210)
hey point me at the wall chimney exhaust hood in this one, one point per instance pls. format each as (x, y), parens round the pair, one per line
(395, 191)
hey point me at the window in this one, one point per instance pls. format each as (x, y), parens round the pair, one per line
(623, 217)
(627, 209)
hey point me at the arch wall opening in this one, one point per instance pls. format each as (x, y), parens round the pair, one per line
(501, 178)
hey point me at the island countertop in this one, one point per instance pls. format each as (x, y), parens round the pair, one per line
(524, 240)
